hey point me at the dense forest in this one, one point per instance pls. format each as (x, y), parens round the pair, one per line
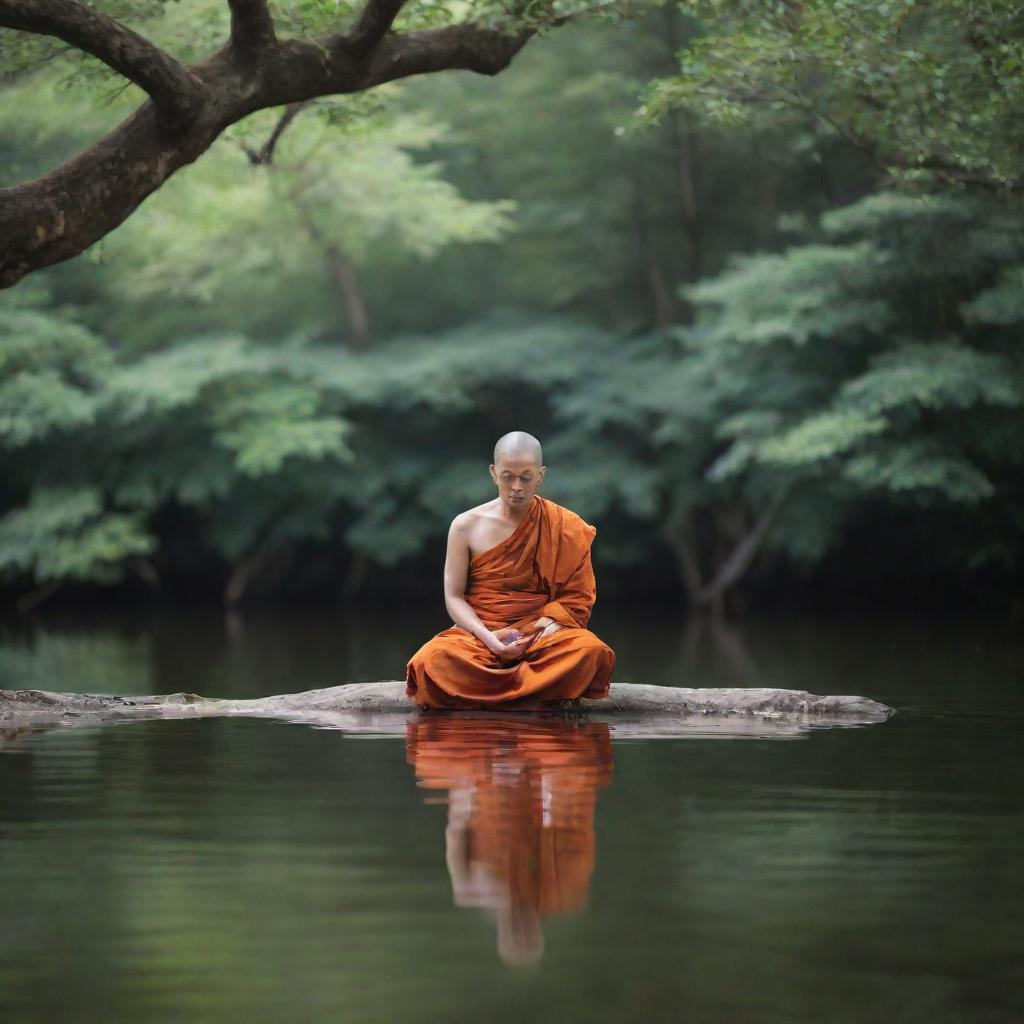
(752, 271)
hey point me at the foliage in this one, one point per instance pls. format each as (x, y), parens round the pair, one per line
(348, 190)
(67, 534)
(707, 321)
(931, 91)
(900, 401)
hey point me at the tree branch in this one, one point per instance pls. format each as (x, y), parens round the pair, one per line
(466, 46)
(265, 154)
(743, 553)
(176, 92)
(373, 25)
(252, 29)
(62, 213)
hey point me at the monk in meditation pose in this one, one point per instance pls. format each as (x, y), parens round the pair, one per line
(519, 586)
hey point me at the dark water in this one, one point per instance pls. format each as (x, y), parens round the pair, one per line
(243, 870)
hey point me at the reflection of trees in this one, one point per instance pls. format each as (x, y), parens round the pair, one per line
(723, 643)
(521, 794)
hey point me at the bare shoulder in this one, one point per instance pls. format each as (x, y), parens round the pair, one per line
(464, 522)
(482, 527)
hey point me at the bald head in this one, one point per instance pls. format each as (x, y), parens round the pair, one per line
(518, 470)
(518, 445)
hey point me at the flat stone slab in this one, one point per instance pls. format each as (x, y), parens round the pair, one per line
(633, 710)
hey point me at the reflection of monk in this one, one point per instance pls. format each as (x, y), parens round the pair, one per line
(521, 793)
(519, 586)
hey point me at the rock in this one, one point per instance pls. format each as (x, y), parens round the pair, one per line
(632, 709)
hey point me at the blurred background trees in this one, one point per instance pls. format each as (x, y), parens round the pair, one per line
(753, 272)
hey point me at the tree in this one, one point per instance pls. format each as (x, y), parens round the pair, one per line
(930, 92)
(315, 213)
(60, 214)
(857, 371)
(613, 213)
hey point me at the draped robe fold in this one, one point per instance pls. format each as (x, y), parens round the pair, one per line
(542, 569)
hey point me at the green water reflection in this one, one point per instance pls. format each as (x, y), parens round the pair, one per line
(250, 870)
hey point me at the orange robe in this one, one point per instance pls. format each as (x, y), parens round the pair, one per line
(542, 568)
(521, 795)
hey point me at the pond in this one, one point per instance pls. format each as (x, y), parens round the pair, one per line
(510, 871)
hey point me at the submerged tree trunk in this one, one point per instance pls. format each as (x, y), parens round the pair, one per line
(383, 709)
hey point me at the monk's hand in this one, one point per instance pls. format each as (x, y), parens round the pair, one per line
(510, 644)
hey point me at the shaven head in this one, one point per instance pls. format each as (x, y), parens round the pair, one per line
(517, 470)
(518, 445)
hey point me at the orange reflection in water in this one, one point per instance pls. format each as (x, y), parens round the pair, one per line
(520, 795)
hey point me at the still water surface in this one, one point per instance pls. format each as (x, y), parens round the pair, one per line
(511, 871)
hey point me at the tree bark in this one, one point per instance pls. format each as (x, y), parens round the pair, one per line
(59, 215)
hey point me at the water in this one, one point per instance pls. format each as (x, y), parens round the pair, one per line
(246, 870)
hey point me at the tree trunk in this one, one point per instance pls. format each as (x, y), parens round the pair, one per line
(685, 142)
(662, 306)
(686, 146)
(36, 596)
(637, 709)
(681, 541)
(261, 562)
(344, 275)
(355, 577)
(709, 595)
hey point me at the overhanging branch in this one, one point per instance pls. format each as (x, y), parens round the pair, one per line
(466, 46)
(176, 93)
(62, 213)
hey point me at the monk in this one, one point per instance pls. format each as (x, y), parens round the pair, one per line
(519, 586)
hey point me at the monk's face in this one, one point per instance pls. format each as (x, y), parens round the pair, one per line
(517, 478)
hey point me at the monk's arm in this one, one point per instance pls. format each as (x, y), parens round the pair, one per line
(456, 569)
